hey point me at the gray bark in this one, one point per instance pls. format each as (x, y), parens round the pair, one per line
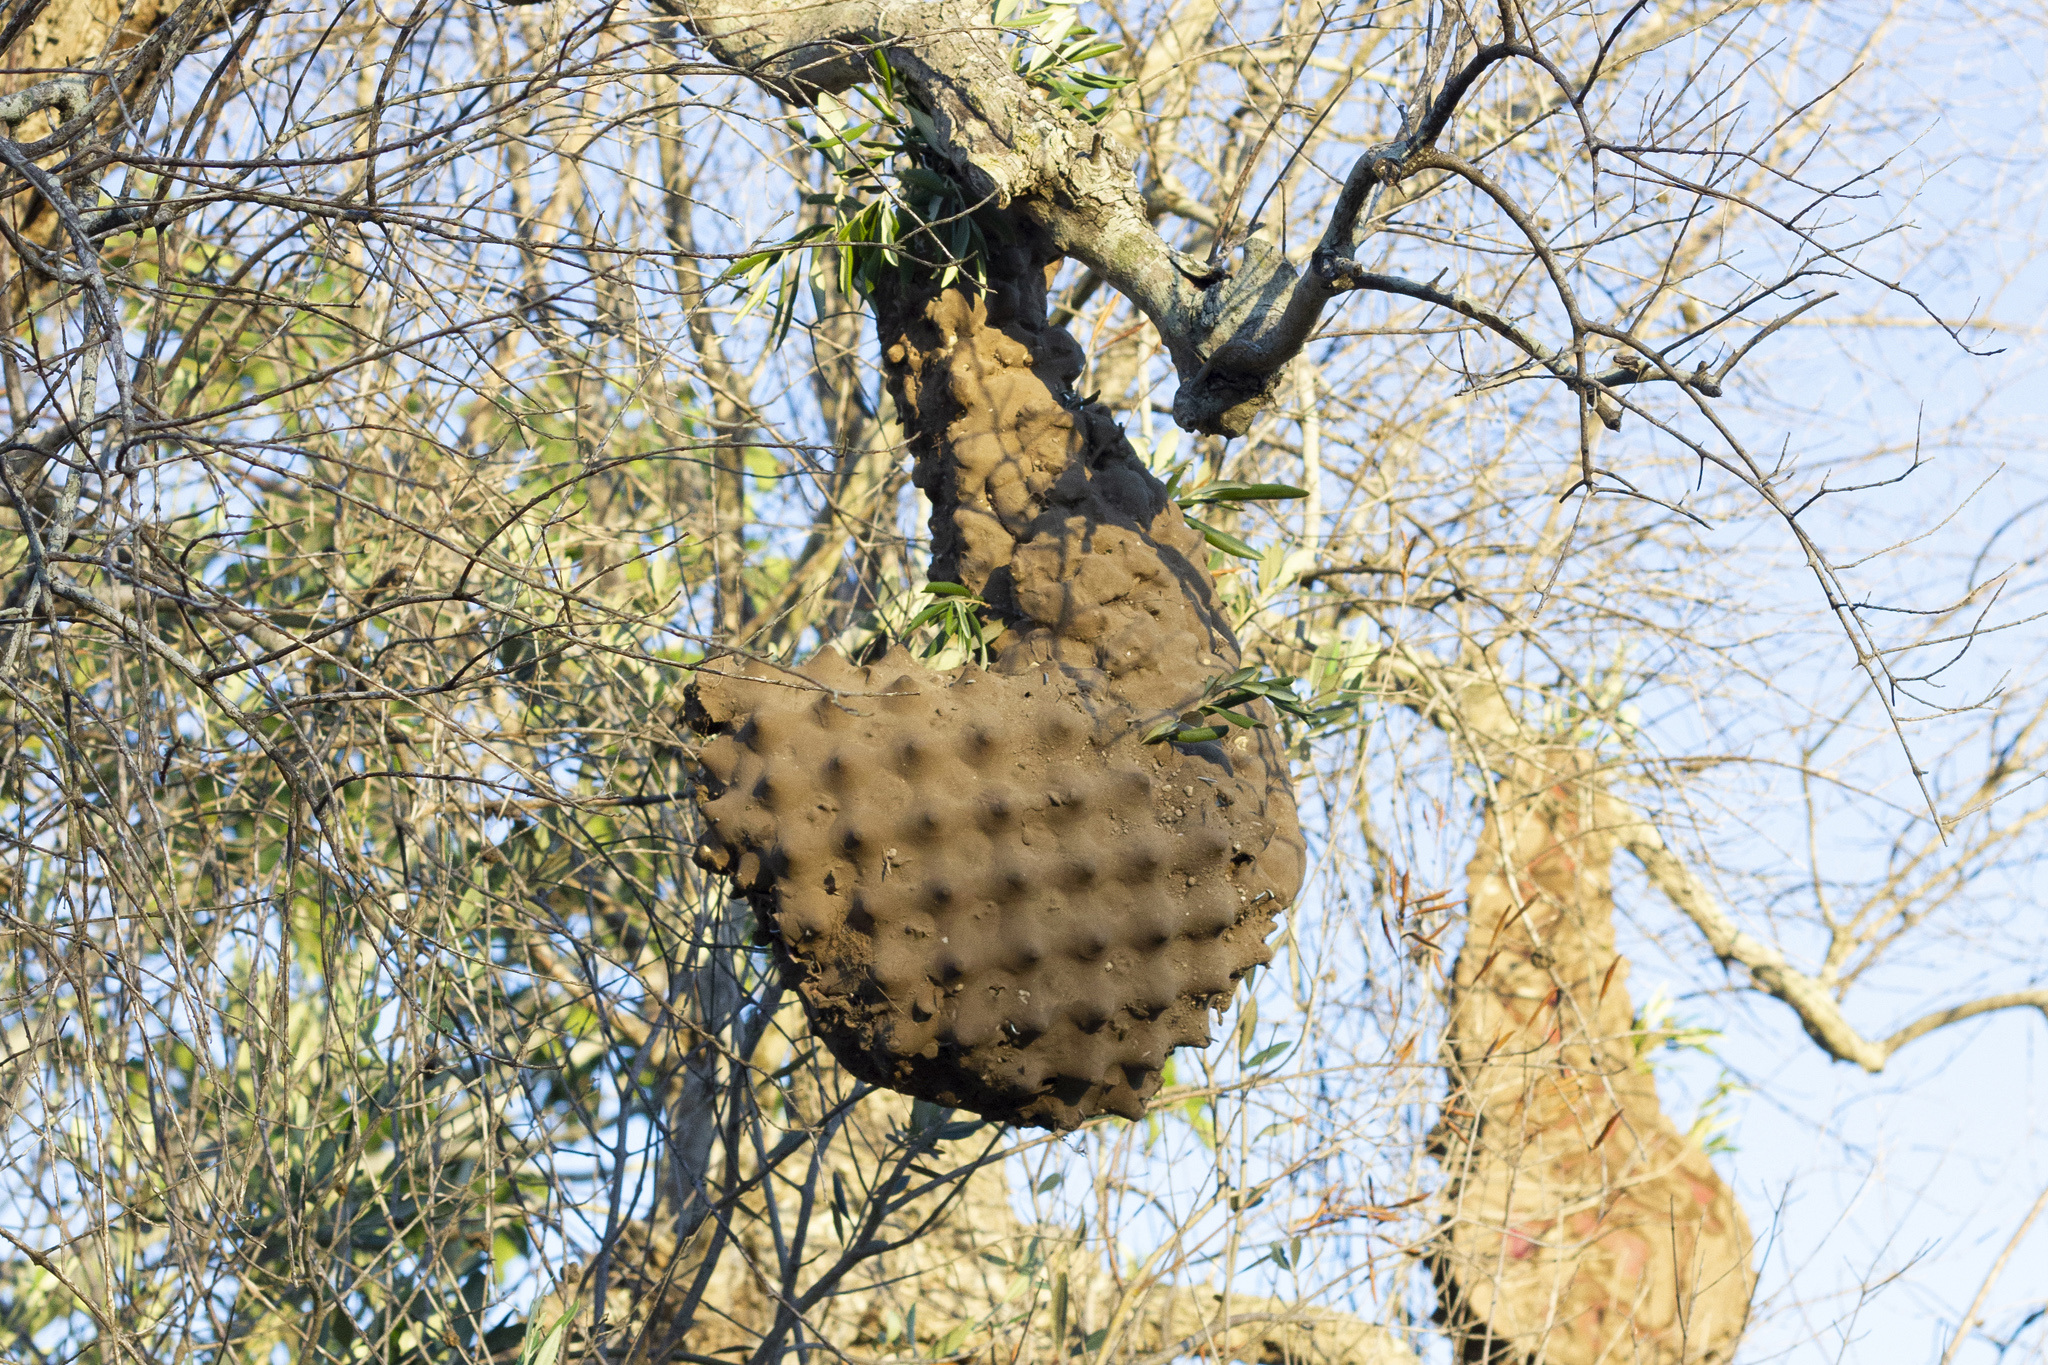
(1230, 332)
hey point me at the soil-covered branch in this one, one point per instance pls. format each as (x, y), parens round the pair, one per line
(1582, 1225)
(1474, 709)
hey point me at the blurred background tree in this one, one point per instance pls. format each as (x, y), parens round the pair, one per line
(401, 402)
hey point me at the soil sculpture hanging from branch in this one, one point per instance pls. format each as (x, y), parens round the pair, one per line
(989, 889)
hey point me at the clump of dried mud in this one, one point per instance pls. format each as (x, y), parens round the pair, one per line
(989, 892)
(1587, 1227)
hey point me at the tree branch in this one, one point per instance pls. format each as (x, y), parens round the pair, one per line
(68, 95)
(1474, 709)
(1820, 1014)
(1005, 140)
(1230, 333)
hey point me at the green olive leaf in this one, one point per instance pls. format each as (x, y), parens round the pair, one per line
(1222, 540)
(1242, 492)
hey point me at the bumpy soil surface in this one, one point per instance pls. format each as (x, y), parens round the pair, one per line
(989, 892)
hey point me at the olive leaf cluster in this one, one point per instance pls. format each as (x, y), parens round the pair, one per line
(1216, 712)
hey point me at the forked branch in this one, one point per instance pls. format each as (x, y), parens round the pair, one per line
(1231, 333)
(1820, 1014)
(1474, 709)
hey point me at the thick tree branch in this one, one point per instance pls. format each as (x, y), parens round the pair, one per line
(68, 95)
(1006, 141)
(1230, 333)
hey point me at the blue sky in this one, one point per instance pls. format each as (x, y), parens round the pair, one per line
(1884, 1200)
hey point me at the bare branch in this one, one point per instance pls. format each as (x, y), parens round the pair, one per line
(1820, 1014)
(68, 95)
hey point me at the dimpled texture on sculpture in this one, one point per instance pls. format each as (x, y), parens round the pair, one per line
(989, 897)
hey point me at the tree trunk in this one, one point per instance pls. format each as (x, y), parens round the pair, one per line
(1583, 1226)
(46, 46)
(53, 41)
(60, 36)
